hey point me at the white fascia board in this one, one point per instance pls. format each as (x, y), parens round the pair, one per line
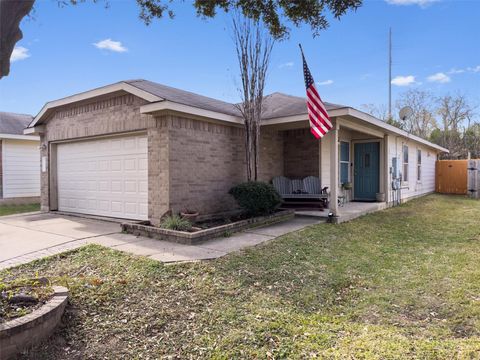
(347, 111)
(301, 117)
(187, 109)
(392, 129)
(94, 93)
(20, 137)
(36, 130)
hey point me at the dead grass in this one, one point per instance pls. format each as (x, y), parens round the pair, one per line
(402, 283)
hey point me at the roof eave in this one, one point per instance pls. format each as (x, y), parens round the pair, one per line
(20, 137)
(165, 106)
(105, 90)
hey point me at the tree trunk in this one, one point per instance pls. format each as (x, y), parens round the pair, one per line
(11, 14)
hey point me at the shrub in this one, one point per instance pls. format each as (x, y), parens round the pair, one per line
(256, 198)
(175, 222)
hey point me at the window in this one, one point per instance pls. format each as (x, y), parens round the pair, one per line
(405, 164)
(344, 162)
(419, 165)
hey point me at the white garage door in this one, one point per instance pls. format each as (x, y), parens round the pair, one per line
(107, 177)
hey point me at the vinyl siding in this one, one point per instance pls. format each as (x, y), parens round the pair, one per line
(413, 187)
(20, 168)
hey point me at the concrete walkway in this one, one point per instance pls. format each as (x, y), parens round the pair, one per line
(28, 237)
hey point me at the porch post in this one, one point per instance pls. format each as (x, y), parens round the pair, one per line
(334, 168)
(386, 168)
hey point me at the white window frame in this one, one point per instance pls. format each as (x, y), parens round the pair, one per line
(405, 174)
(419, 165)
(340, 161)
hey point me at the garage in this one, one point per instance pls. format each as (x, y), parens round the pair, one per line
(105, 176)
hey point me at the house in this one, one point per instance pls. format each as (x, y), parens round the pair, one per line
(136, 149)
(19, 160)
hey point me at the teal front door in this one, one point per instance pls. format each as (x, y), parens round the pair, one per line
(366, 175)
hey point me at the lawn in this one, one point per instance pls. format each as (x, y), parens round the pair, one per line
(16, 209)
(401, 283)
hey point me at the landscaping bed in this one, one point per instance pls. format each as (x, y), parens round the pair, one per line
(206, 229)
(30, 310)
(22, 296)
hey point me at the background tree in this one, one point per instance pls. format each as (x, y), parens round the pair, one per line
(422, 121)
(275, 14)
(379, 111)
(253, 46)
(455, 120)
(472, 140)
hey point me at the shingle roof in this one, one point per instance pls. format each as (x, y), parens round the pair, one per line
(280, 105)
(274, 105)
(185, 97)
(13, 124)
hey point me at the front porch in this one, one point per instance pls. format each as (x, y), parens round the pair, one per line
(349, 160)
(347, 212)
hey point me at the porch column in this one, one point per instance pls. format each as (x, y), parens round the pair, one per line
(334, 168)
(386, 168)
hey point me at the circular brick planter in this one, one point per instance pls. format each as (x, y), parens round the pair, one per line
(19, 334)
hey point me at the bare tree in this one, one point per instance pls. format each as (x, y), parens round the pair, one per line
(455, 118)
(253, 46)
(422, 121)
(379, 111)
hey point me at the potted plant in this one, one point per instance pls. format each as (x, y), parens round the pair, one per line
(189, 214)
(346, 187)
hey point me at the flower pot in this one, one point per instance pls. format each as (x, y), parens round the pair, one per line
(189, 216)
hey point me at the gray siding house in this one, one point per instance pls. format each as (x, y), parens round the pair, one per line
(19, 160)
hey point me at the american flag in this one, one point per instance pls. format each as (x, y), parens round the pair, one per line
(317, 114)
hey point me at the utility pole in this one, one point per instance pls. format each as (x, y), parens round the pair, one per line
(390, 74)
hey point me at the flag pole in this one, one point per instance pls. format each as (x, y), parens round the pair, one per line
(301, 49)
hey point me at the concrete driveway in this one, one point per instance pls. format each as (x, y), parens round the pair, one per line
(27, 237)
(27, 233)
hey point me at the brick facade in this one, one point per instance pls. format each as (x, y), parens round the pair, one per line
(206, 160)
(271, 154)
(301, 154)
(191, 163)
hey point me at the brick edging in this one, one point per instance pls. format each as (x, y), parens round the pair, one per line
(18, 334)
(192, 238)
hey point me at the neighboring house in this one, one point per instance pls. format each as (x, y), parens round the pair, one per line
(19, 160)
(137, 149)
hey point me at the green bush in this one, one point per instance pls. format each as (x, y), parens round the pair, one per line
(256, 198)
(175, 222)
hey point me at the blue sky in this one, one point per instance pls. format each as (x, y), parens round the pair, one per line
(435, 47)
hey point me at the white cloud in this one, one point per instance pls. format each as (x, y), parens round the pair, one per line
(456, 71)
(109, 44)
(404, 80)
(421, 3)
(475, 69)
(440, 77)
(326, 82)
(19, 53)
(286, 65)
